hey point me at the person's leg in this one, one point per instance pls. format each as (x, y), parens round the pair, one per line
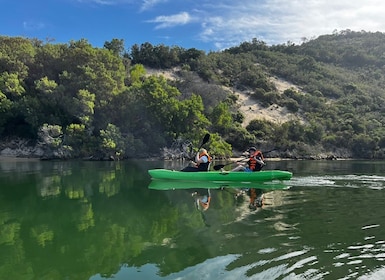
(190, 169)
(258, 167)
(238, 168)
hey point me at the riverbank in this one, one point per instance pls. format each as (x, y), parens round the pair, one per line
(15, 159)
(19, 148)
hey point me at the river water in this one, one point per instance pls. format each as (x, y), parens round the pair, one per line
(100, 220)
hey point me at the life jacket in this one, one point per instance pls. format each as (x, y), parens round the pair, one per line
(253, 164)
(204, 166)
(253, 196)
(256, 199)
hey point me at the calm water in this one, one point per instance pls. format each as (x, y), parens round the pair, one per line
(99, 220)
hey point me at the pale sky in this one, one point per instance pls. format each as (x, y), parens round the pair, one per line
(208, 25)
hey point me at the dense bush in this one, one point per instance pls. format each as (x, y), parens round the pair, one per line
(103, 101)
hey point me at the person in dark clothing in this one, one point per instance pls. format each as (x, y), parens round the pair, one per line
(201, 162)
(202, 199)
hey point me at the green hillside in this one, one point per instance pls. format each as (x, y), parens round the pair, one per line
(77, 101)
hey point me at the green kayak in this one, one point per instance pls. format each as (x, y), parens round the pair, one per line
(179, 185)
(218, 176)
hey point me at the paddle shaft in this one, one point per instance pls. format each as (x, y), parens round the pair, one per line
(205, 139)
(219, 166)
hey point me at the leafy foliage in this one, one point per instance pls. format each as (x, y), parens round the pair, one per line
(106, 104)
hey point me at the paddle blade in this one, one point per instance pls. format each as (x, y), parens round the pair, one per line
(205, 140)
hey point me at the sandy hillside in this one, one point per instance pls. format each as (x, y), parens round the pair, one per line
(168, 74)
(274, 113)
(249, 108)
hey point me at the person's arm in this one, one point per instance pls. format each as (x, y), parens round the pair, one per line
(197, 157)
(259, 158)
(259, 155)
(260, 161)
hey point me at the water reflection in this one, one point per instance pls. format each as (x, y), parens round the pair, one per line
(202, 198)
(69, 220)
(230, 202)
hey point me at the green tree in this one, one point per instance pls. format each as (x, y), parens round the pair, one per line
(5, 111)
(11, 85)
(46, 86)
(363, 146)
(262, 129)
(219, 147)
(113, 144)
(16, 55)
(116, 46)
(137, 73)
(191, 120)
(314, 133)
(83, 107)
(221, 117)
(79, 141)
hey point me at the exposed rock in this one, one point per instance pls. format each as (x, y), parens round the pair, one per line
(20, 148)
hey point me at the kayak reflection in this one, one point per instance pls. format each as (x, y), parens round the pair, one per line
(178, 184)
(202, 195)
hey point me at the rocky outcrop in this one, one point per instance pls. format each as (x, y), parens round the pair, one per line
(21, 148)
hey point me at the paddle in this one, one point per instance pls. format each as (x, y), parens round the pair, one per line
(219, 166)
(205, 139)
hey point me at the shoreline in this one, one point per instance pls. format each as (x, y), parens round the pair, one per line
(15, 159)
(232, 159)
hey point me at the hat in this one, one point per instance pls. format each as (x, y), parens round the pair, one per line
(252, 149)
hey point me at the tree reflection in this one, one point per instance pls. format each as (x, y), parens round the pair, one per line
(89, 218)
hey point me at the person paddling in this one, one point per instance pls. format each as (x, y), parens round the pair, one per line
(201, 162)
(202, 199)
(257, 198)
(255, 162)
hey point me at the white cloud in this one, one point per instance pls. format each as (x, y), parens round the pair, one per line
(225, 23)
(99, 2)
(278, 21)
(147, 4)
(33, 25)
(107, 2)
(173, 20)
